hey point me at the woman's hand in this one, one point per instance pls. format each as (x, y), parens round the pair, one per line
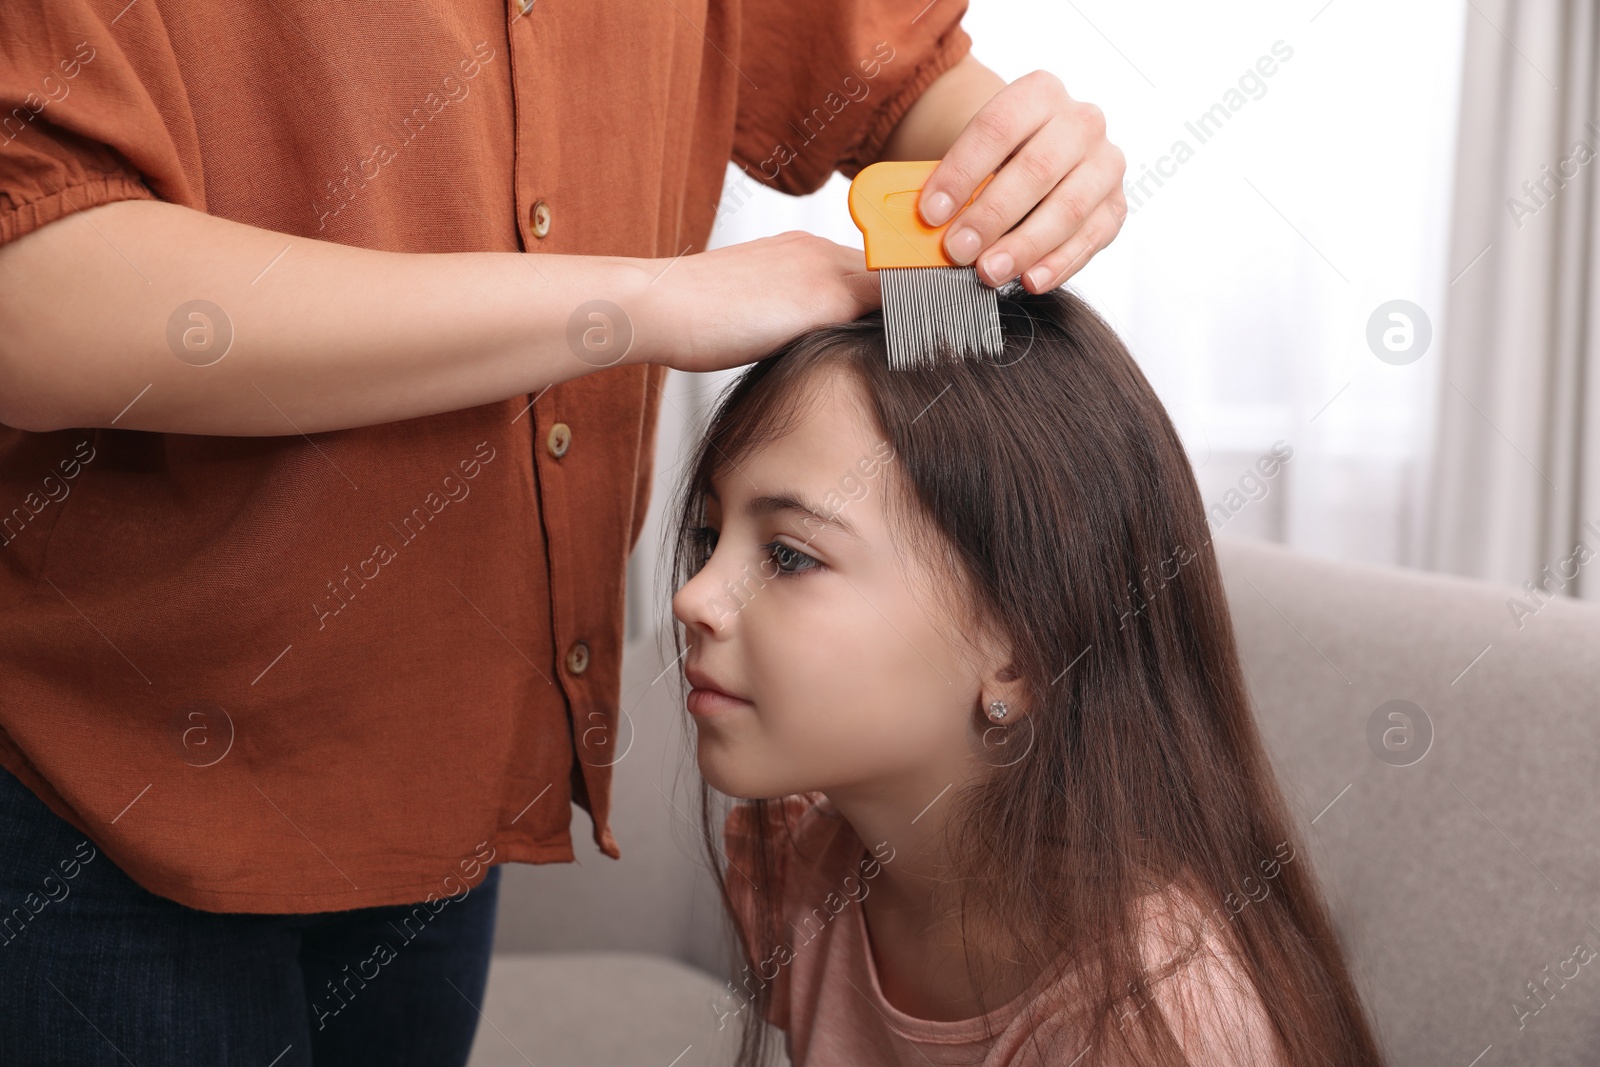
(731, 306)
(1054, 173)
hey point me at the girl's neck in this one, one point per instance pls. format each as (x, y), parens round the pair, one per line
(922, 955)
(904, 829)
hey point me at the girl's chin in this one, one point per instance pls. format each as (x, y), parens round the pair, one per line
(735, 787)
(715, 759)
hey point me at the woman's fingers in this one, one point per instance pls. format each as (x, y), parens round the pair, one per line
(1098, 231)
(1056, 217)
(1054, 171)
(992, 136)
(733, 305)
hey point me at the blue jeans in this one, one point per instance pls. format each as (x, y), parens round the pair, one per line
(106, 972)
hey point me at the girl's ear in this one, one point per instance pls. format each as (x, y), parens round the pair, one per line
(1004, 685)
(1000, 679)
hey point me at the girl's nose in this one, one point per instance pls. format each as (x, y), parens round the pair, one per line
(695, 602)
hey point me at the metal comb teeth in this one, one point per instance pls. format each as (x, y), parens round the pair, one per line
(935, 314)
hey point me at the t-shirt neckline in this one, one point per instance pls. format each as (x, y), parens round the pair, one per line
(935, 1031)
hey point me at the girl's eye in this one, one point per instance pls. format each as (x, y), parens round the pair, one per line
(789, 561)
(783, 556)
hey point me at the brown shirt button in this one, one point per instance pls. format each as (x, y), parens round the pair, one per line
(539, 218)
(557, 440)
(578, 657)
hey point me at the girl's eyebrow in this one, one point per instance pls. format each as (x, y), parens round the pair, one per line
(788, 501)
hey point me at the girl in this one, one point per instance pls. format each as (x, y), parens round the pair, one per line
(960, 653)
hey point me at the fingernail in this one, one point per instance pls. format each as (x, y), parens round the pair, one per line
(938, 208)
(963, 247)
(1039, 277)
(998, 267)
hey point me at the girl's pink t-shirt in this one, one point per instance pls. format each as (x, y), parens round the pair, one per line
(827, 1000)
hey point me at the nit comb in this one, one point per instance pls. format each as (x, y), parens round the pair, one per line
(933, 310)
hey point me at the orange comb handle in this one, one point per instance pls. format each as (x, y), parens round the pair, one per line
(883, 203)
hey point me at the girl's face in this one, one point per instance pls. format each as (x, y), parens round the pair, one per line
(821, 625)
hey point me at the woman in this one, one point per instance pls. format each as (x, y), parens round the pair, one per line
(317, 489)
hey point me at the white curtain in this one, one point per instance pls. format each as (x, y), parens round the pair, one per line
(1516, 492)
(1244, 280)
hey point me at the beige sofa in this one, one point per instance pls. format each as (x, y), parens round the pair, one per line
(1463, 882)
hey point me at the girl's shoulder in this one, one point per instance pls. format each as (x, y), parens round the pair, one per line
(774, 851)
(790, 811)
(1199, 984)
(806, 825)
(1203, 985)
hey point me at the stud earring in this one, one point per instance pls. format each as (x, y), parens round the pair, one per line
(998, 710)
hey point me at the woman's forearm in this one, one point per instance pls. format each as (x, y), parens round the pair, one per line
(98, 328)
(937, 117)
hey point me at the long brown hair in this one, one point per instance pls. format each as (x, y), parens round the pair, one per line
(1058, 496)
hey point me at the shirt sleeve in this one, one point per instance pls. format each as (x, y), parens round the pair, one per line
(821, 87)
(92, 110)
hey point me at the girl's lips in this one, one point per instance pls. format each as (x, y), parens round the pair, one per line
(703, 702)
